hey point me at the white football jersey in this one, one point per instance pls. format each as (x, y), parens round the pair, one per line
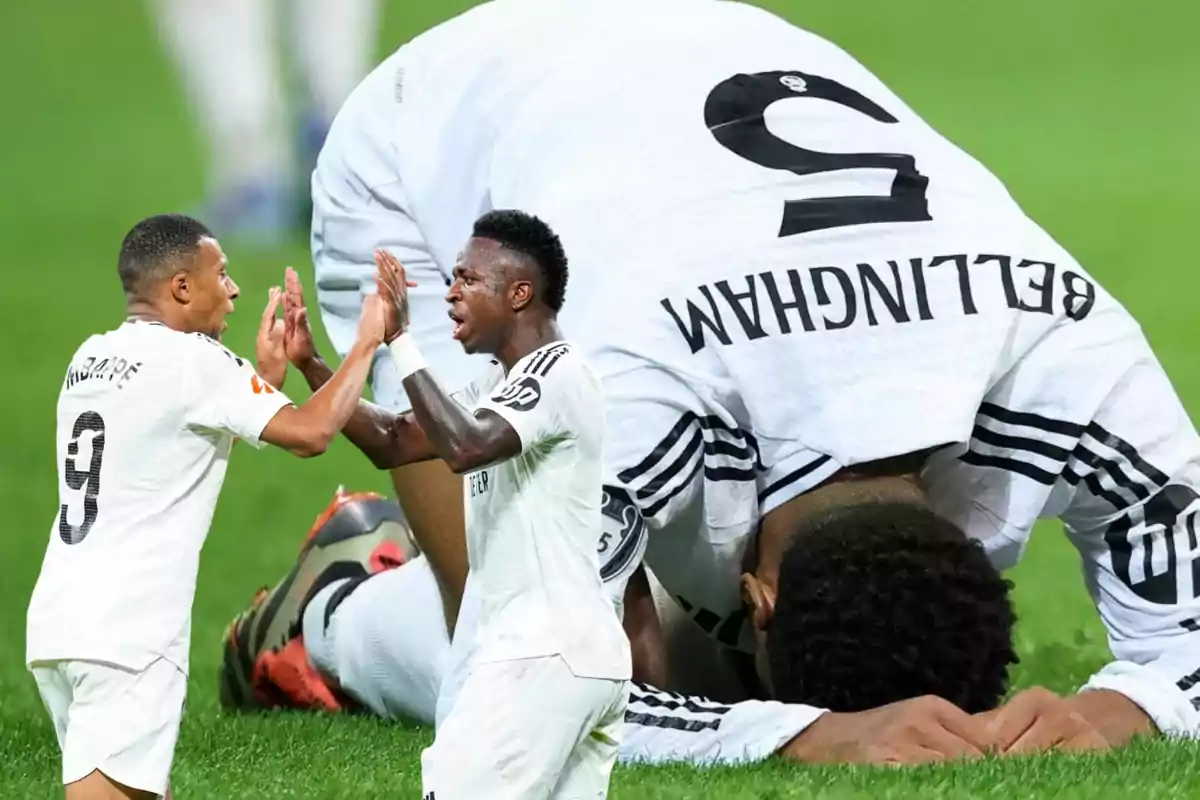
(754, 222)
(779, 271)
(533, 520)
(146, 419)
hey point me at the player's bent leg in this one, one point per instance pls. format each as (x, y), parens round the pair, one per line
(431, 495)
(117, 727)
(589, 769)
(265, 664)
(382, 640)
(513, 729)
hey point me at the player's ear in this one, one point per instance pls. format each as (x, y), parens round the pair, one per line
(520, 294)
(759, 599)
(181, 287)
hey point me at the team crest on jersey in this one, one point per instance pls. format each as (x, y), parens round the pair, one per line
(521, 394)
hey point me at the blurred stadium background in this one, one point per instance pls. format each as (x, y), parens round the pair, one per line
(1087, 109)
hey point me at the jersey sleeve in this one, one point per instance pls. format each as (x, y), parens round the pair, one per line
(1146, 569)
(666, 727)
(551, 398)
(228, 396)
(1125, 481)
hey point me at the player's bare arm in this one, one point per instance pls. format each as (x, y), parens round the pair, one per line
(388, 439)
(465, 441)
(308, 430)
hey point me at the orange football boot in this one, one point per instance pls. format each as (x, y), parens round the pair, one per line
(265, 664)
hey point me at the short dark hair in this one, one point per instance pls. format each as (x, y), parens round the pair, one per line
(531, 237)
(154, 245)
(880, 602)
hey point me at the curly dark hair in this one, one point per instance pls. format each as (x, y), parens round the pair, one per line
(153, 247)
(880, 602)
(531, 237)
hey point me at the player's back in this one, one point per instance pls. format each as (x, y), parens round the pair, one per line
(639, 130)
(139, 475)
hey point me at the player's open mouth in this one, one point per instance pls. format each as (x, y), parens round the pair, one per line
(458, 325)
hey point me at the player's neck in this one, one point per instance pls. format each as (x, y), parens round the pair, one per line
(527, 337)
(149, 311)
(780, 525)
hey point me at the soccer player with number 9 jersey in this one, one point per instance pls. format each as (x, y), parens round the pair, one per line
(147, 417)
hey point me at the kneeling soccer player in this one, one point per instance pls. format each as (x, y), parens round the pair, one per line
(153, 407)
(541, 665)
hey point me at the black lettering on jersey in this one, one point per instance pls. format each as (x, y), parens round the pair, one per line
(521, 394)
(1039, 279)
(749, 321)
(824, 298)
(113, 369)
(1080, 296)
(479, 483)
(959, 260)
(893, 300)
(798, 302)
(693, 332)
(830, 297)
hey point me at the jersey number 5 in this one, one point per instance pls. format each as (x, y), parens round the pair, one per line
(734, 114)
(88, 480)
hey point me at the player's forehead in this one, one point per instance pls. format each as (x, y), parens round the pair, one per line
(209, 254)
(482, 255)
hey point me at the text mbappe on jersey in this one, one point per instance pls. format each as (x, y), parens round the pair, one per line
(114, 369)
(893, 292)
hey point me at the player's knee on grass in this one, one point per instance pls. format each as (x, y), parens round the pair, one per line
(880, 602)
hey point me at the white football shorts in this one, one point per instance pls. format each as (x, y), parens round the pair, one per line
(122, 722)
(527, 729)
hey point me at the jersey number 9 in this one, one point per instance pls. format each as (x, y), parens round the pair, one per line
(88, 480)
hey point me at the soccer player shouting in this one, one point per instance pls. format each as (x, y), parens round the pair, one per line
(534, 703)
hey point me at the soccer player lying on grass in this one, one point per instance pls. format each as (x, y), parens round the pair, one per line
(153, 407)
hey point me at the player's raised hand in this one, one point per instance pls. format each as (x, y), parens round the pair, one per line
(1037, 719)
(269, 344)
(297, 333)
(394, 284)
(377, 311)
(915, 731)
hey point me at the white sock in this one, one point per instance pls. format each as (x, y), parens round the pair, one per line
(227, 54)
(386, 642)
(335, 42)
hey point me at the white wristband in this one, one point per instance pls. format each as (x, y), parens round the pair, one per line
(406, 356)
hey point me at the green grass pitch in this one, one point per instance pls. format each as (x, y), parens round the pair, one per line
(1085, 109)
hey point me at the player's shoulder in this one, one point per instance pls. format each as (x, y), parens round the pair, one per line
(557, 367)
(207, 351)
(560, 358)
